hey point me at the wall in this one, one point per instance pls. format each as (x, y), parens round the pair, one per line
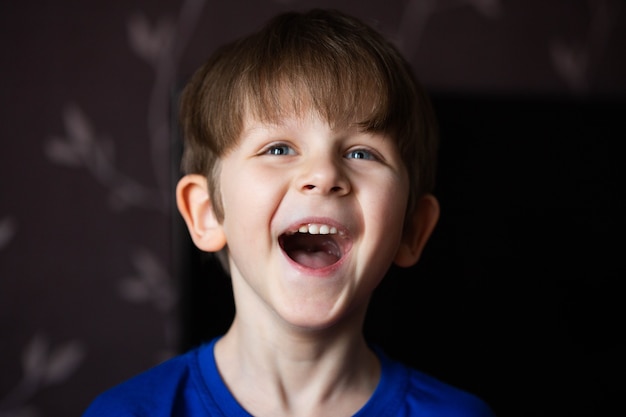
(88, 295)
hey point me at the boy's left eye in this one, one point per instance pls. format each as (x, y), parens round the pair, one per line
(361, 154)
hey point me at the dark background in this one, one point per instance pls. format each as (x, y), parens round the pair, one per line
(516, 298)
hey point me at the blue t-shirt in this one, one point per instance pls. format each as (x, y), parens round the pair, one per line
(190, 385)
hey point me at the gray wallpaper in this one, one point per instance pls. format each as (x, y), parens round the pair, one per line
(87, 296)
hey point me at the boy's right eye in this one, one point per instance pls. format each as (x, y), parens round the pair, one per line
(279, 149)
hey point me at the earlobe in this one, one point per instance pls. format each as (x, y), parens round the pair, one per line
(196, 208)
(421, 226)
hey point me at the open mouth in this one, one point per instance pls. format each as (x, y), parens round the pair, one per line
(315, 246)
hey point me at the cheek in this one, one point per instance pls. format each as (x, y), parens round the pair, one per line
(249, 200)
(237, 202)
(385, 213)
(387, 200)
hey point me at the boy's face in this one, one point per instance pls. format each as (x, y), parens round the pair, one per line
(313, 218)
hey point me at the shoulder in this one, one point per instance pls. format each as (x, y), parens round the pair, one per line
(154, 392)
(437, 398)
(411, 392)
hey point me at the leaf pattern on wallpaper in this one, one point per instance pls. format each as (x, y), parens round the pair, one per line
(572, 60)
(488, 8)
(82, 147)
(417, 13)
(149, 41)
(8, 229)
(42, 366)
(150, 282)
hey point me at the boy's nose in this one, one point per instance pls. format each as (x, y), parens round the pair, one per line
(323, 177)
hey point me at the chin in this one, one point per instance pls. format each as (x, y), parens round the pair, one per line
(314, 317)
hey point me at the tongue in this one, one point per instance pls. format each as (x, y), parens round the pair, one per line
(313, 260)
(312, 251)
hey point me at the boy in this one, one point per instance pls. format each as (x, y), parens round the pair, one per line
(309, 162)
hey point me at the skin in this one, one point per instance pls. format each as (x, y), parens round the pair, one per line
(295, 347)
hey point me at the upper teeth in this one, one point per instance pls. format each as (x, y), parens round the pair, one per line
(317, 229)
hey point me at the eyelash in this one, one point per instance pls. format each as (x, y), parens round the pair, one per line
(282, 149)
(279, 149)
(371, 156)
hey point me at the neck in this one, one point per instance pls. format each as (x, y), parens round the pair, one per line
(283, 371)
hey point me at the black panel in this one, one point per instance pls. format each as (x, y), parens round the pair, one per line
(516, 297)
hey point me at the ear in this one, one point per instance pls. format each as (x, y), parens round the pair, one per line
(421, 225)
(194, 204)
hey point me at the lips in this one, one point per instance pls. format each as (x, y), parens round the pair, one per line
(315, 245)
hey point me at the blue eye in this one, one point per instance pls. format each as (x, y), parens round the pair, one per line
(361, 154)
(279, 150)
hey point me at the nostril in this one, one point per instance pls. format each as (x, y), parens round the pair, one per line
(333, 189)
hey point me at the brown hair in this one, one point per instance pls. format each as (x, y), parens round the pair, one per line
(322, 60)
